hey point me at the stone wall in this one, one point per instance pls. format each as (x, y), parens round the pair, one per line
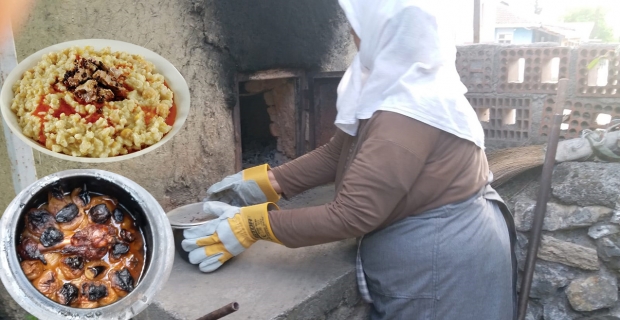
(514, 88)
(579, 258)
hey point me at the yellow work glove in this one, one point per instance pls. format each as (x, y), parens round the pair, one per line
(212, 244)
(248, 187)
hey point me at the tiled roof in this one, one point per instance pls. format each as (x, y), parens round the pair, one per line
(571, 30)
(507, 16)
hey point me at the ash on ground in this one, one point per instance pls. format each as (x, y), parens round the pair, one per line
(255, 154)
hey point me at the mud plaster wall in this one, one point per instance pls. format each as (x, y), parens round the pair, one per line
(208, 41)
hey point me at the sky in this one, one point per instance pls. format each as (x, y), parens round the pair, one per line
(554, 10)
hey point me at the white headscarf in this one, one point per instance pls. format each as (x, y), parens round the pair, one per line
(406, 64)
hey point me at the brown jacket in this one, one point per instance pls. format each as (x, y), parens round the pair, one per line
(394, 168)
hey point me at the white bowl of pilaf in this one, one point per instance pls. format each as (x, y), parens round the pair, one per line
(95, 100)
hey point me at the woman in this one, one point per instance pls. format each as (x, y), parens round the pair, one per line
(411, 179)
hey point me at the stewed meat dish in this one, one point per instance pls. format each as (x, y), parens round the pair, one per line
(81, 249)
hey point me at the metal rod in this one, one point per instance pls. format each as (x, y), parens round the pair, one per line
(539, 215)
(221, 312)
(477, 21)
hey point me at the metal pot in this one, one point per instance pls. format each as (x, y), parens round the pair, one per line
(186, 217)
(149, 216)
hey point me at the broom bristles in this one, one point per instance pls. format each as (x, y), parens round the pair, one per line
(508, 163)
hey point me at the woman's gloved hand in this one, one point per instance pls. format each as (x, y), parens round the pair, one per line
(212, 244)
(248, 187)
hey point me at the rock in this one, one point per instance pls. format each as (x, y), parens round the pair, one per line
(558, 308)
(582, 217)
(606, 317)
(608, 249)
(602, 229)
(534, 311)
(549, 277)
(615, 217)
(570, 254)
(9, 309)
(587, 183)
(521, 250)
(269, 100)
(558, 216)
(523, 214)
(593, 293)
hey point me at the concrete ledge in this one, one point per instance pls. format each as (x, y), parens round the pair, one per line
(269, 281)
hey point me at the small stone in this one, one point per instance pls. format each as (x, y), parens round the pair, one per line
(269, 100)
(521, 250)
(548, 278)
(609, 250)
(587, 183)
(593, 293)
(558, 216)
(558, 308)
(534, 311)
(523, 215)
(570, 217)
(615, 217)
(254, 86)
(615, 311)
(603, 229)
(567, 253)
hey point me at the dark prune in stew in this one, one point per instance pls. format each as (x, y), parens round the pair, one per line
(118, 215)
(68, 213)
(93, 291)
(99, 213)
(39, 220)
(29, 250)
(75, 263)
(122, 280)
(84, 195)
(51, 236)
(127, 235)
(119, 249)
(95, 271)
(67, 294)
(58, 193)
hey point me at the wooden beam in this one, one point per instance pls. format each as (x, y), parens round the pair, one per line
(477, 21)
(236, 118)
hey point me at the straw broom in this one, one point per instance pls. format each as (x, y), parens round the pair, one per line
(508, 163)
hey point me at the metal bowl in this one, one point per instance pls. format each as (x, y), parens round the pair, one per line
(149, 215)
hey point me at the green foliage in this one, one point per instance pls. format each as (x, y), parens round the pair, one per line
(31, 317)
(596, 60)
(602, 30)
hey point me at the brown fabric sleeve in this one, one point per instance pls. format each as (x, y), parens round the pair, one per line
(378, 179)
(311, 170)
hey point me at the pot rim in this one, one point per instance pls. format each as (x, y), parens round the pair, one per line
(152, 281)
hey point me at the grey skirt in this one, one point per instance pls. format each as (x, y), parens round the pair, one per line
(453, 262)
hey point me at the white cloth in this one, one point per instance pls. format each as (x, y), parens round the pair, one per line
(406, 64)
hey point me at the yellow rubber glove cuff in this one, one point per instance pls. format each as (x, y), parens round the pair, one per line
(259, 174)
(252, 224)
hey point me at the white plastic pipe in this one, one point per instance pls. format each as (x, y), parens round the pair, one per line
(22, 160)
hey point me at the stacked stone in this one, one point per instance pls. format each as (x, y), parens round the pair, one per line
(579, 256)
